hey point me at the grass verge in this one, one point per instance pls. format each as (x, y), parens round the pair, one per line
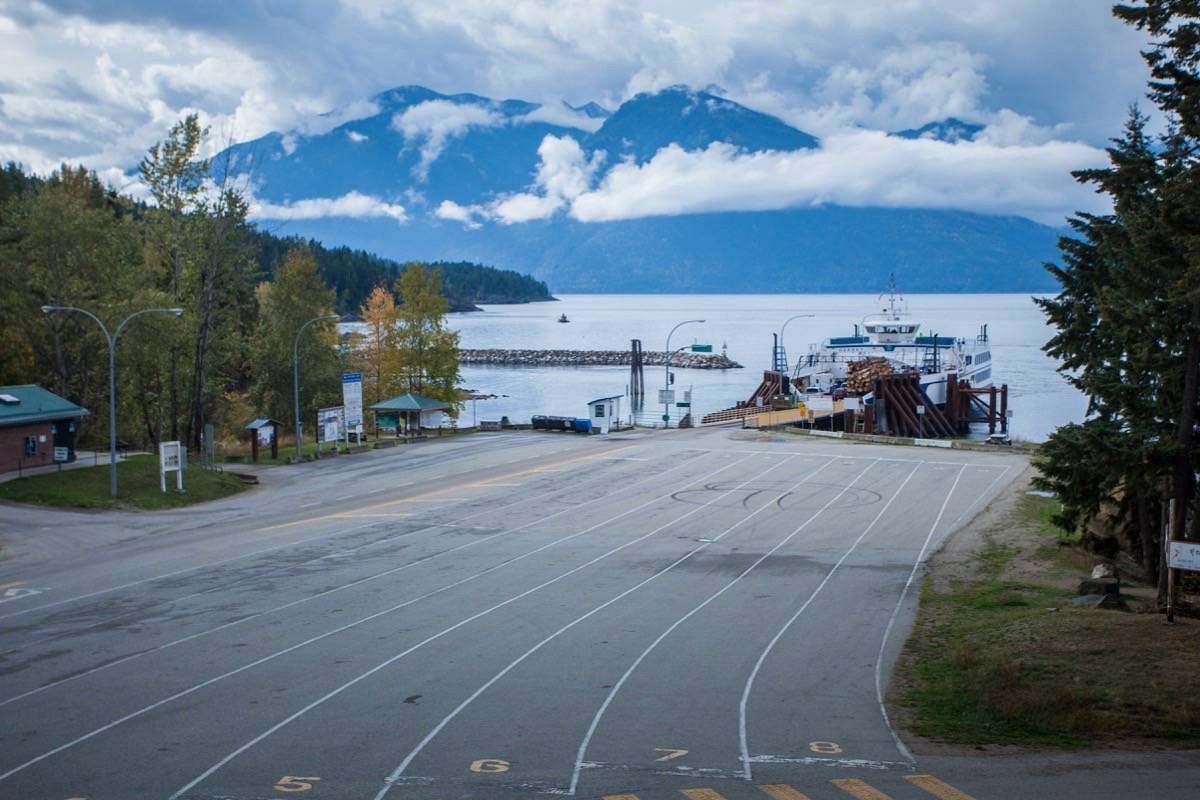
(137, 481)
(998, 655)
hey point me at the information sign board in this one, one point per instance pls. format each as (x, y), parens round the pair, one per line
(666, 396)
(171, 459)
(61, 455)
(331, 424)
(1184, 555)
(352, 398)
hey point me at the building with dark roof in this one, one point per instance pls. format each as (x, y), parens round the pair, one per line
(33, 421)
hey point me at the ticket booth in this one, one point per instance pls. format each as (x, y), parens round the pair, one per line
(605, 412)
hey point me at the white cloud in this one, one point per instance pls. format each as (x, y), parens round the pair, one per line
(564, 173)
(865, 168)
(352, 204)
(560, 114)
(469, 216)
(437, 121)
(356, 137)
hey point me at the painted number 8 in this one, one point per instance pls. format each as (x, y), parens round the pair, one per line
(828, 748)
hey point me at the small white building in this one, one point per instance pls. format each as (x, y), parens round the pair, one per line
(605, 412)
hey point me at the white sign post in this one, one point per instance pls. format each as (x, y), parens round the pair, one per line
(170, 459)
(352, 402)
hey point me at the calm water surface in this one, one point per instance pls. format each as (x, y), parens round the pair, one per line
(743, 324)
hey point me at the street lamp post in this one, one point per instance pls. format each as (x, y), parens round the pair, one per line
(781, 354)
(296, 373)
(667, 372)
(112, 338)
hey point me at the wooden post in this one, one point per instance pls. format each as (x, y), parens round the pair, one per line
(1167, 563)
(951, 398)
(991, 409)
(254, 445)
(1004, 408)
(274, 442)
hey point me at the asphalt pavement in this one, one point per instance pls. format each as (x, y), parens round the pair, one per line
(698, 614)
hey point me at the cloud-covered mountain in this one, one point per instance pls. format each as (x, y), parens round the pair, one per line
(675, 190)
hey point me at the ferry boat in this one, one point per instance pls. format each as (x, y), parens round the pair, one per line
(894, 335)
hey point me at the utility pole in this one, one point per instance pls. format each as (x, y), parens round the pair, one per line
(667, 373)
(296, 373)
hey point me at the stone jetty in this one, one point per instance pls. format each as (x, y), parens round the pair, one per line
(592, 358)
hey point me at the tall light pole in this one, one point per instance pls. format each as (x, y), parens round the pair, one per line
(112, 338)
(667, 372)
(780, 358)
(296, 373)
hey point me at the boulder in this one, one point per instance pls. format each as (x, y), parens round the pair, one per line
(1105, 570)
(1102, 586)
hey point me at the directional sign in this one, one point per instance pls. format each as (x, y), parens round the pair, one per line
(702, 348)
(1184, 555)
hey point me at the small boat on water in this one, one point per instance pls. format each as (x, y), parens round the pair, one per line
(563, 318)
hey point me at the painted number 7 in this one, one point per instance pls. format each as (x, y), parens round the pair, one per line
(291, 783)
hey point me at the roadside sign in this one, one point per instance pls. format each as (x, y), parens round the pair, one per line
(352, 398)
(1184, 555)
(666, 396)
(61, 455)
(171, 457)
(702, 348)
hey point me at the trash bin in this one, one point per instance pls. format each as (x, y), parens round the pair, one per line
(583, 425)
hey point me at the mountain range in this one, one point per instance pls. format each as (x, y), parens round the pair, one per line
(425, 152)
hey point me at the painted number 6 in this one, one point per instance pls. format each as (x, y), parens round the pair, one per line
(489, 765)
(828, 748)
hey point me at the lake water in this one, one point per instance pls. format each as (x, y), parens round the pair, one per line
(743, 324)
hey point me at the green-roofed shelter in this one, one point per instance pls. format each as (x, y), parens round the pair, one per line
(34, 421)
(409, 412)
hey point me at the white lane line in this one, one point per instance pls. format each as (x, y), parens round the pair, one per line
(280, 570)
(391, 779)
(310, 505)
(197, 687)
(334, 693)
(980, 498)
(339, 499)
(350, 585)
(587, 737)
(777, 451)
(742, 739)
(273, 548)
(900, 747)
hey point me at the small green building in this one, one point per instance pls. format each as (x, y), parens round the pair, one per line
(409, 413)
(34, 421)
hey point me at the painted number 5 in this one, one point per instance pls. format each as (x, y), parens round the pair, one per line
(828, 748)
(290, 783)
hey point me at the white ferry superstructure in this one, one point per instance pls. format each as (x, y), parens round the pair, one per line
(894, 335)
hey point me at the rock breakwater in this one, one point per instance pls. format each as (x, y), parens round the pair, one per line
(592, 358)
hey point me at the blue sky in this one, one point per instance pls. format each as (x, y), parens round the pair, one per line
(98, 82)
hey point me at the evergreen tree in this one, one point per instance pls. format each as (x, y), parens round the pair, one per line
(1128, 315)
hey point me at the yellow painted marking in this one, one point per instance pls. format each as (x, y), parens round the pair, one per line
(353, 514)
(781, 791)
(489, 765)
(435, 492)
(292, 783)
(828, 748)
(671, 752)
(937, 788)
(702, 794)
(620, 797)
(860, 789)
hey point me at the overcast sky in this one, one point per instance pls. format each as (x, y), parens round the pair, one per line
(98, 82)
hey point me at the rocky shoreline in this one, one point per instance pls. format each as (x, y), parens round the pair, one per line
(591, 358)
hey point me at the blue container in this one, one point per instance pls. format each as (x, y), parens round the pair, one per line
(583, 425)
